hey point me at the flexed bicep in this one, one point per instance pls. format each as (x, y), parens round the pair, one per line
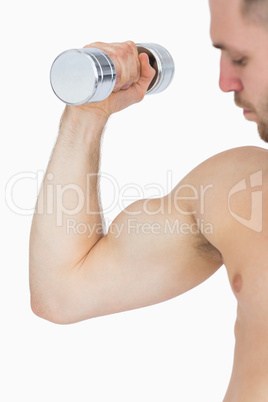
(149, 255)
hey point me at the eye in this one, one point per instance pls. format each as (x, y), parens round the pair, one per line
(239, 62)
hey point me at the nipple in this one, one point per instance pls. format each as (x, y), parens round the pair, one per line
(237, 283)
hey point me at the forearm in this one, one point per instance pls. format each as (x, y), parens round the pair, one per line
(68, 197)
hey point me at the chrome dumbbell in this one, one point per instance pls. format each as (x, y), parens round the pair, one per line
(79, 76)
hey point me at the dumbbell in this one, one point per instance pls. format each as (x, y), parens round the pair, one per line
(80, 76)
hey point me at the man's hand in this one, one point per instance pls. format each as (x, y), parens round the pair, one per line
(133, 77)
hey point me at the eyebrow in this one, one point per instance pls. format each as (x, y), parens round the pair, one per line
(219, 46)
(231, 49)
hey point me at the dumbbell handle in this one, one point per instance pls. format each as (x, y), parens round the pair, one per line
(79, 76)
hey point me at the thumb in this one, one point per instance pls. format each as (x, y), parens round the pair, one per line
(147, 72)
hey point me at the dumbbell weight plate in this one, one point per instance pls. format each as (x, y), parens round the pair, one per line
(79, 76)
(161, 60)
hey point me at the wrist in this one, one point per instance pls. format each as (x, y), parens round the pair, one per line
(88, 122)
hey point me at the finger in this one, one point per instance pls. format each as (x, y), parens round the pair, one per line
(126, 61)
(134, 63)
(129, 65)
(137, 91)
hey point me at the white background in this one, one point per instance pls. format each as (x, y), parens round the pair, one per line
(181, 350)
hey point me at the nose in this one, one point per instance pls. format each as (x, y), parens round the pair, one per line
(229, 77)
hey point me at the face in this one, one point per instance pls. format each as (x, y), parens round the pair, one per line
(244, 60)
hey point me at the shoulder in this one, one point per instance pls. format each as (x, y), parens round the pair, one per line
(226, 162)
(227, 195)
(222, 171)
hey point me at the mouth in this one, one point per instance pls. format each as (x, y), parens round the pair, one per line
(249, 115)
(243, 106)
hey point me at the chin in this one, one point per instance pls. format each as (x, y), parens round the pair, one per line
(263, 131)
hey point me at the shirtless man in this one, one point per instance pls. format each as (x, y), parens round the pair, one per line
(76, 277)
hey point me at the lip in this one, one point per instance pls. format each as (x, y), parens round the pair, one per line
(249, 115)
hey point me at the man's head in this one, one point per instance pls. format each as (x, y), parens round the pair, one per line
(240, 29)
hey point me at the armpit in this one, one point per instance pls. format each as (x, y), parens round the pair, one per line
(206, 249)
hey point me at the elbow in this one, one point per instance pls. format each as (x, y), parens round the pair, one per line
(43, 312)
(56, 302)
(49, 313)
(45, 303)
(54, 313)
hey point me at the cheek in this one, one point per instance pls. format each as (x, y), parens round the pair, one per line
(258, 82)
(254, 90)
(261, 98)
(264, 106)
